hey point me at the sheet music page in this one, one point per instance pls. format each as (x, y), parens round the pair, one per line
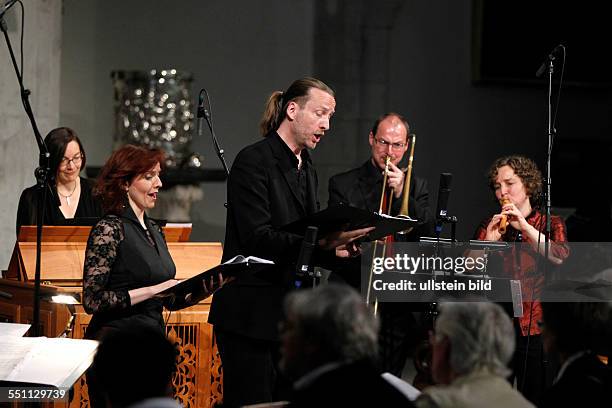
(255, 259)
(53, 361)
(14, 329)
(396, 217)
(241, 259)
(14, 351)
(236, 259)
(409, 390)
(179, 224)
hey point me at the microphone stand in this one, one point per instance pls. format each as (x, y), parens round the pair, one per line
(41, 173)
(548, 162)
(205, 113)
(547, 200)
(446, 219)
(443, 218)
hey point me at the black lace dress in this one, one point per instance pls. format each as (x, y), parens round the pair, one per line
(120, 256)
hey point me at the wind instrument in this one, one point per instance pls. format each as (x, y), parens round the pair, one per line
(375, 247)
(503, 223)
(406, 191)
(403, 212)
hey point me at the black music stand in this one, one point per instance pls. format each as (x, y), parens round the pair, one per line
(437, 243)
(487, 246)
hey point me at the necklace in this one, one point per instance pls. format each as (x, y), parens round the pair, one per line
(67, 197)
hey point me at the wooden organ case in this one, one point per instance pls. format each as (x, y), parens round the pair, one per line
(197, 381)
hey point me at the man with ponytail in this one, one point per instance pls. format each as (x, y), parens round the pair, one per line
(272, 183)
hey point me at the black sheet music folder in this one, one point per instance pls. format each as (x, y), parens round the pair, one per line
(238, 265)
(346, 218)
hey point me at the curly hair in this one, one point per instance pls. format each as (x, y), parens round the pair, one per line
(121, 168)
(525, 169)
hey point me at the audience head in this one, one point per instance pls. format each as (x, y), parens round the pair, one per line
(135, 364)
(130, 175)
(568, 328)
(470, 336)
(67, 156)
(330, 323)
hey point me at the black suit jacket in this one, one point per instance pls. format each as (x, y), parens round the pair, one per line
(585, 382)
(263, 195)
(361, 188)
(356, 384)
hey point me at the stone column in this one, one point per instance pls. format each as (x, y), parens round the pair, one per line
(18, 149)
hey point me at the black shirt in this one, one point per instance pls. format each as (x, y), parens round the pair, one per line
(88, 207)
(299, 177)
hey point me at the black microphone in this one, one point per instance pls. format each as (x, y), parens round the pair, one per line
(554, 54)
(303, 262)
(443, 193)
(200, 112)
(7, 5)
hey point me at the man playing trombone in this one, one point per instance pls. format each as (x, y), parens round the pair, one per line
(362, 187)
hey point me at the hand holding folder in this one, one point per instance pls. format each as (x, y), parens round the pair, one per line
(346, 218)
(190, 291)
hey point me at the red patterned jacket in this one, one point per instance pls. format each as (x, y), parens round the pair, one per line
(521, 265)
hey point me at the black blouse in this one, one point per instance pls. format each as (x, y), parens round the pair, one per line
(89, 207)
(120, 256)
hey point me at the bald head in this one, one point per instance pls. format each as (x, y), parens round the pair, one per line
(388, 137)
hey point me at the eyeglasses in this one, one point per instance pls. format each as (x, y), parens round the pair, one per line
(76, 160)
(394, 146)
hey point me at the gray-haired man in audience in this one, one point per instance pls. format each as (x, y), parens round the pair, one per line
(329, 345)
(472, 345)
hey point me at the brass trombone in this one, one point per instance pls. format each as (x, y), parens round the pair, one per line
(406, 191)
(403, 213)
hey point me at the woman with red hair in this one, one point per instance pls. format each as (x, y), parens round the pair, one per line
(127, 260)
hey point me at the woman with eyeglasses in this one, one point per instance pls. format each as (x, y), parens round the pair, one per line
(68, 194)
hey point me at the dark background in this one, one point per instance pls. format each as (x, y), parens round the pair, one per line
(461, 71)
